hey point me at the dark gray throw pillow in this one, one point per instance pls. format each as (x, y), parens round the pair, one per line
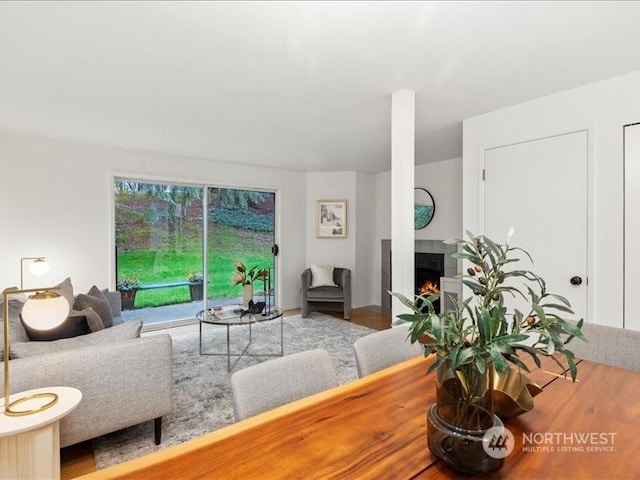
(73, 326)
(96, 300)
(93, 319)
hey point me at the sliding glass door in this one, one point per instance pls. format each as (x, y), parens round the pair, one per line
(159, 242)
(162, 232)
(240, 238)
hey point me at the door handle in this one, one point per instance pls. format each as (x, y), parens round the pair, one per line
(576, 280)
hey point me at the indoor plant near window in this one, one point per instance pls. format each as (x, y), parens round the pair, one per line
(481, 336)
(196, 286)
(128, 288)
(245, 277)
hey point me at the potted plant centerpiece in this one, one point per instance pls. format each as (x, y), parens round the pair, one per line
(196, 286)
(245, 277)
(128, 288)
(510, 313)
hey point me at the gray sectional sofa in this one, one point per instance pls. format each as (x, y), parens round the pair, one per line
(125, 379)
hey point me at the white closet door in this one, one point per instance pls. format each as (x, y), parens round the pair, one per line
(631, 226)
(540, 188)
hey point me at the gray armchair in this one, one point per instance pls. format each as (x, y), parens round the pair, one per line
(327, 298)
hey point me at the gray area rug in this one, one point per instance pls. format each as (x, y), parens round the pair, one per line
(202, 393)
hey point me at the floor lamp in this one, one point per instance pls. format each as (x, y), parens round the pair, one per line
(44, 310)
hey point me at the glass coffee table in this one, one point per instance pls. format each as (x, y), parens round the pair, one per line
(231, 316)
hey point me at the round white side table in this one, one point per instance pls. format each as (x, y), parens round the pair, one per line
(30, 445)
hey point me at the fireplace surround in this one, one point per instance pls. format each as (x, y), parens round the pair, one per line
(434, 247)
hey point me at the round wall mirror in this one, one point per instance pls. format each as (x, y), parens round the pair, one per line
(424, 208)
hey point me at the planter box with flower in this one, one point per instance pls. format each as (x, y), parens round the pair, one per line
(128, 288)
(483, 336)
(196, 286)
(246, 278)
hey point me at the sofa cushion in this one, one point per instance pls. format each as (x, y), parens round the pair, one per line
(322, 276)
(125, 331)
(72, 326)
(95, 299)
(325, 294)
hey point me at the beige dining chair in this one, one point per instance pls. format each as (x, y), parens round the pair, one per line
(610, 345)
(385, 348)
(261, 387)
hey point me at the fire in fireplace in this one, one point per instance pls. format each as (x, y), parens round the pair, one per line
(429, 268)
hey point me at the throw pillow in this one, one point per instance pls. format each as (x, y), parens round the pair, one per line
(95, 299)
(71, 327)
(17, 333)
(93, 319)
(65, 288)
(322, 276)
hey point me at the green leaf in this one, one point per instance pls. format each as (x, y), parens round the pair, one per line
(480, 364)
(511, 338)
(484, 326)
(472, 285)
(541, 315)
(556, 306)
(561, 299)
(436, 328)
(405, 301)
(499, 363)
(439, 361)
(453, 356)
(519, 363)
(518, 249)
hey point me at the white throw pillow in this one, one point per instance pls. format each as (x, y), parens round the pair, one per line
(322, 276)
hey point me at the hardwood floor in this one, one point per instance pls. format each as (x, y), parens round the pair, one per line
(78, 459)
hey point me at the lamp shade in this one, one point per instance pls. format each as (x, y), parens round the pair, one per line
(39, 267)
(45, 310)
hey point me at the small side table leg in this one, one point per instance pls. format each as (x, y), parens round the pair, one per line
(228, 350)
(281, 337)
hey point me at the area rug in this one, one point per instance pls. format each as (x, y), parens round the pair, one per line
(202, 399)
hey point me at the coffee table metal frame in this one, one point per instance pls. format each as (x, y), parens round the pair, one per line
(238, 320)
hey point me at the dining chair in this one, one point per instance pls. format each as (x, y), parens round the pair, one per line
(385, 348)
(261, 387)
(610, 345)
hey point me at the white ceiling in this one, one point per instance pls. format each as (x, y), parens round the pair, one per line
(297, 85)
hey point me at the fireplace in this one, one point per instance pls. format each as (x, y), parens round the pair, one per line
(436, 249)
(429, 268)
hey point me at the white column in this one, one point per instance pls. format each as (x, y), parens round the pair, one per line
(402, 185)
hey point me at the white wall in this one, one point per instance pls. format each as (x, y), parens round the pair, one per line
(444, 182)
(602, 108)
(353, 252)
(57, 202)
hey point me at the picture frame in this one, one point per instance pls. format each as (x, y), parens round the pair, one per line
(331, 219)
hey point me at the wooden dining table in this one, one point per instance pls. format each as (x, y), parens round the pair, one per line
(375, 428)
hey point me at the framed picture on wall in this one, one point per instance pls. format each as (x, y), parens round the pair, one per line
(332, 219)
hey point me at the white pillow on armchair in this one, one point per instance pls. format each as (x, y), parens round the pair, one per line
(322, 276)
